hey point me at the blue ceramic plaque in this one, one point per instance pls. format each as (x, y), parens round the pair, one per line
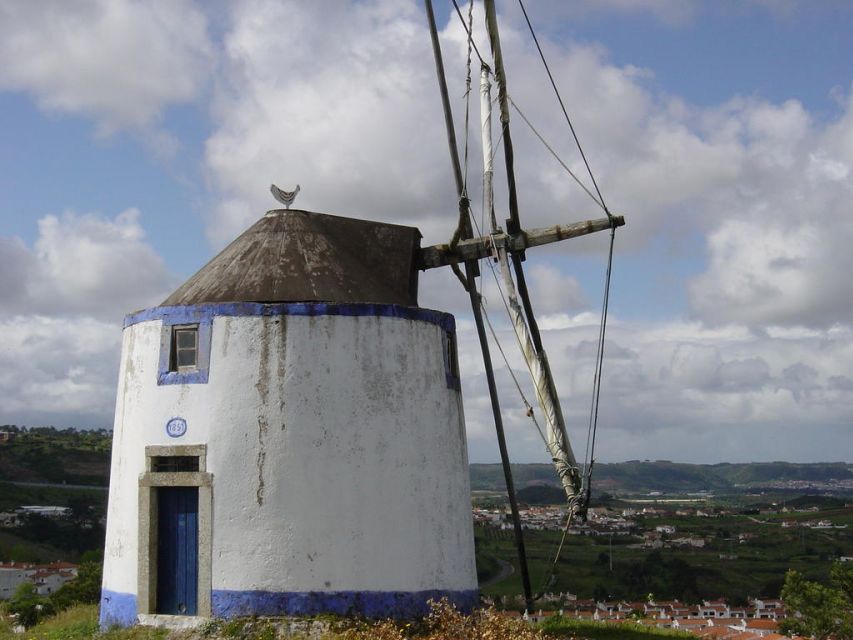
(176, 427)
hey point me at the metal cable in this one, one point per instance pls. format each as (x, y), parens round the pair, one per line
(467, 98)
(554, 153)
(563, 106)
(469, 32)
(599, 364)
(559, 551)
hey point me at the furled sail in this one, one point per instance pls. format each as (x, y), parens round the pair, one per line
(555, 437)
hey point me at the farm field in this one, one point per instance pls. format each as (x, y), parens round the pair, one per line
(619, 567)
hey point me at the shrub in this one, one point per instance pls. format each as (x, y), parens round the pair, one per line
(28, 606)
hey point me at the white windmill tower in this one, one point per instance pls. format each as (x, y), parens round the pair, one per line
(289, 435)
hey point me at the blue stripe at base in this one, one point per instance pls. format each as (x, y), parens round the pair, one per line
(369, 604)
(117, 609)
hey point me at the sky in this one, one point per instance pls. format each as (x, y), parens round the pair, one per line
(140, 137)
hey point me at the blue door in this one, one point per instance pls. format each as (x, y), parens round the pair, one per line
(177, 550)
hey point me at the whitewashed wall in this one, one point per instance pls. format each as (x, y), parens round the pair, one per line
(337, 450)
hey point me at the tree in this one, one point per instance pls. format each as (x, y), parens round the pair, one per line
(819, 611)
(84, 589)
(28, 606)
(600, 594)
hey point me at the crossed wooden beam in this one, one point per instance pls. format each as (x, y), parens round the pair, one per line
(441, 255)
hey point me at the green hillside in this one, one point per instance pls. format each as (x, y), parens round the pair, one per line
(671, 477)
(68, 456)
(50, 455)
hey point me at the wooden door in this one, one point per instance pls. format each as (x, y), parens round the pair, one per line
(177, 550)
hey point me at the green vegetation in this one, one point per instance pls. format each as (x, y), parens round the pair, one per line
(41, 539)
(562, 626)
(725, 566)
(50, 455)
(827, 611)
(641, 477)
(541, 494)
(28, 606)
(444, 623)
(85, 588)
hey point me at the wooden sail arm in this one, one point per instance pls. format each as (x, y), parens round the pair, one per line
(441, 255)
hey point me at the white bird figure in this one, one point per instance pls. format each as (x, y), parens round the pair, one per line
(284, 197)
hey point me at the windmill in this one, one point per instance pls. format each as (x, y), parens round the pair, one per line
(507, 248)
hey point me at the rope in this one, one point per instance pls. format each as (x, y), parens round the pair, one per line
(467, 95)
(553, 568)
(528, 407)
(464, 202)
(468, 31)
(554, 153)
(563, 106)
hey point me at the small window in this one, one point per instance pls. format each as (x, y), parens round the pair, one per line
(172, 464)
(184, 348)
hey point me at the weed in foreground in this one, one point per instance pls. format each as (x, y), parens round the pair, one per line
(445, 622)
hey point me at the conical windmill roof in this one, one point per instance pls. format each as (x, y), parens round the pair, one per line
(301, 256)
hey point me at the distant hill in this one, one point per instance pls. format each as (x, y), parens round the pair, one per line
(671, 477)
(541, 494)
(50, 455)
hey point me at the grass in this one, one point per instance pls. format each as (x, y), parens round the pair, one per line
(76, 623)
(561, 626)
(81, 623)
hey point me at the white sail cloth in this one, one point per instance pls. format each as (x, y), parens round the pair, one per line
(556, 439)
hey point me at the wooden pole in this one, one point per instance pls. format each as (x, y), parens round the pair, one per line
(470, 266)
(441, 255)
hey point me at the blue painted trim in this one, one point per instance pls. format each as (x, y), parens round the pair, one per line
(205, 312)
(201, 373)
(370, 604)
(117, 609)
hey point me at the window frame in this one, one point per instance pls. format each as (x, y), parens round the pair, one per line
(177, 349)
(168, 371)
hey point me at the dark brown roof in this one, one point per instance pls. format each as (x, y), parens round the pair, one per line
(301, 256)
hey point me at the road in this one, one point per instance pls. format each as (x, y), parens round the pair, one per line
(56, 485)
(506, 571)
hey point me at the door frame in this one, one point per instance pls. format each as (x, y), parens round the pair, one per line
(149, 481)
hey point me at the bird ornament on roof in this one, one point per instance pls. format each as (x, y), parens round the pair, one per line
(284, 197)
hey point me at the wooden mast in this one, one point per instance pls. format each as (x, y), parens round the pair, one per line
(505, 247)
(471, 286)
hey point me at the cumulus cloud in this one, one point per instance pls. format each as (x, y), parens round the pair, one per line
(117, 61)
(343, 110)
(349, 110)
(778, 253)
(59, 371)
(82, 265)
(61, 304)
(669, 387)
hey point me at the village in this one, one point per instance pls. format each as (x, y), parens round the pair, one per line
(638, 522)
(710, 619)
(46, 578)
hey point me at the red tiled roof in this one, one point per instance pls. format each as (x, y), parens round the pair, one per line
(760, 623)
(745, 635)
